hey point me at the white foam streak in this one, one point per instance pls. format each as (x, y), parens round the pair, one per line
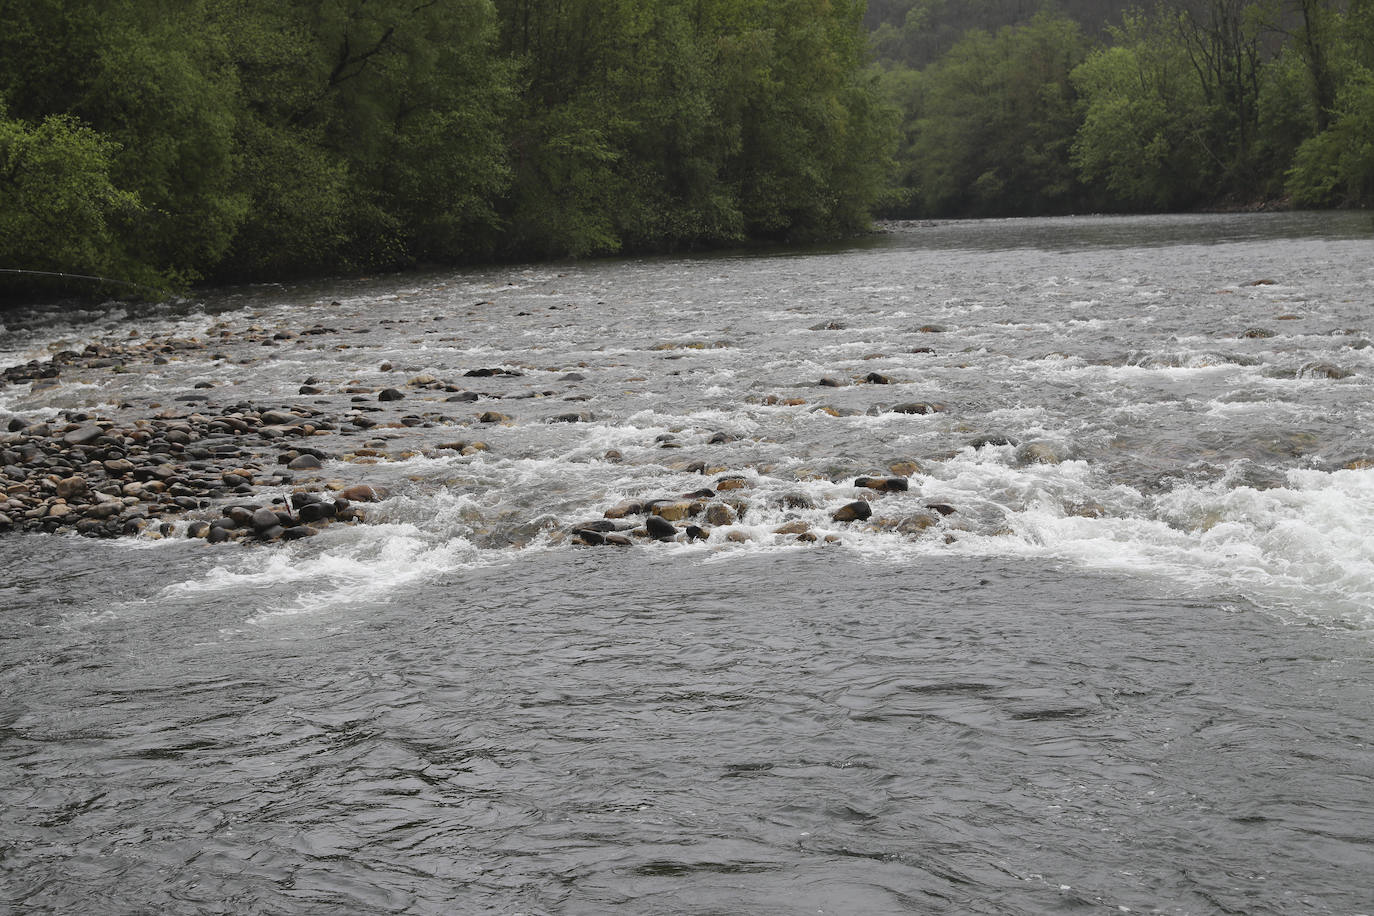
(1307, 545)
(370, 564)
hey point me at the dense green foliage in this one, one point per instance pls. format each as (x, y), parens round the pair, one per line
(1179, 104)
(168, 142)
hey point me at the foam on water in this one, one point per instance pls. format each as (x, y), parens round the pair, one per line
(366, 566)
(1305, 549)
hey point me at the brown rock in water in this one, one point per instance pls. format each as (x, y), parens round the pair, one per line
(364, 493)
(304, 463)
(883, 484)
(855, 511)
(672, 511)
(915, 524)
(492, 416)
(1038, 453)
(71, 487)
(719, 515)
(904, 468)
(793, 527)
(625, 508)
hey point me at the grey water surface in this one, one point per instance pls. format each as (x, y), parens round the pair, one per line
(1131, 672)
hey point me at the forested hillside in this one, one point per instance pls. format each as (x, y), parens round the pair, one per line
(165, 143)
(1014, 107)
(169, 143)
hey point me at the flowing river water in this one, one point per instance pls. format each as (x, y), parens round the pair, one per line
(1111, 651)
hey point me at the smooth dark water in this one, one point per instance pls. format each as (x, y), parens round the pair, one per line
(1135, 678)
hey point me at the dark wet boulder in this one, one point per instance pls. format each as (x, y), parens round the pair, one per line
(263, 519)
(588, 537)
(241, 516)
(883, 484)
(659, 527)
(83, 434)
(391, 394)
(297, 532)
(278, 418)
(316, 512)
(990, 441)
(877, 378)
(853, 512)
(917, 407)
(304, 463)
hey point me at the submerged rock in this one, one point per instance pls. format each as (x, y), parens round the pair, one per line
(916, 407)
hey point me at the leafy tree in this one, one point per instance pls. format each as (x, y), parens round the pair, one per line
(1144, 119)
(151, 81)
(995, 121)
(59, 209)
(1336, 167)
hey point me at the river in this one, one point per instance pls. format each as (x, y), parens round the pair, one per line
(1111, 650)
